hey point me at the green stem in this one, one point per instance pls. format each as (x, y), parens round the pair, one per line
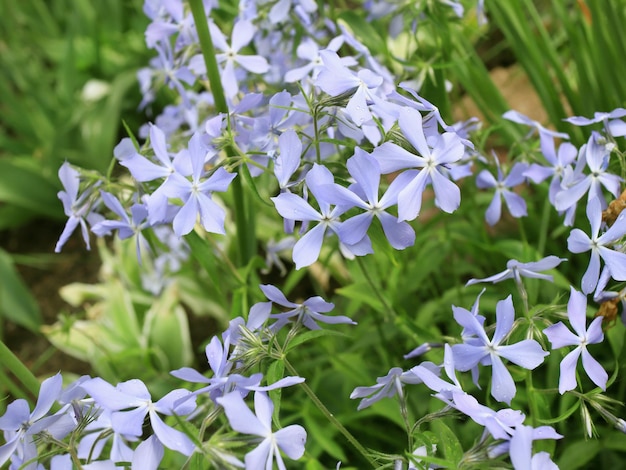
(311, 394)
(388, 308)
(532, 402)
(242, 218)
(17, 368)
(208, 52)
(545, 221)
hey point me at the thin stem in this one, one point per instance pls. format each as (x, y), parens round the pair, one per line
(242, 217)
(208, 53)
(404, 412)
(388, 308)
(532, 402)
(311, 394)
(386, 305)
(543, 232)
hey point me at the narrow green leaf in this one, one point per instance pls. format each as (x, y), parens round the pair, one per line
(364, 31)
(16, 302)
(23, 184)
(312, 334)
(245, 172)
(11, 362)
(202, 252)
(167, 328)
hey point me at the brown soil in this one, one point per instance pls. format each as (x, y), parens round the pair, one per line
(45, 273)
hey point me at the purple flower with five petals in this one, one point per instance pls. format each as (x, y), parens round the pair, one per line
(364, 195)
(579, 242)
(515, 203)
(196, 193)
(21, 426)
(242, 34)
(433, 157)
(482, 350)
(515, 270)
(596, 156)
(290, 439)
(308, 312)
(130, 402)
(560, 336)
(293, 207)
(389, 385)
(77, 207)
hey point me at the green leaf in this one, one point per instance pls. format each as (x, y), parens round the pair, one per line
(448, 443)
(362, 293)
(326, 438)
(202, 252)
(245, 172)
(16, 302)
(312, 334)
(23, 184)
(578, 454)
(364, 31)
(167, 329)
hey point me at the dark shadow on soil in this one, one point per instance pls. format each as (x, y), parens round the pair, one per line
(45, 273)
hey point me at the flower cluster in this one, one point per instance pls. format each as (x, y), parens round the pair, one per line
(289, 122)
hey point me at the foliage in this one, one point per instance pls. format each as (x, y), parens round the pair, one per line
(306, 192)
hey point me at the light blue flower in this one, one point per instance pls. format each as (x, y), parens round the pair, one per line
(560, 336)
(290, 439)
(579, 242)
(479, 349)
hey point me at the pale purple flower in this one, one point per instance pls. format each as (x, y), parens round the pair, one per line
(500, 424)
(389, 385)
(290, 440)
(503, 185)
(433, 157)
(580, 242)
(308, 313)
(309, 50)
(77, 207)
(520, 448)
(335, 78)
(21, 426)
(223, 380)
(242, 34)
(364, 194)
(560, 336)
(482, 350)
(515, 270)
(444, 390)
(130, 402)
(293, 207)
(558, 161)
(519, 118)
(596, 156)
(196, 193)
(166, 67)
(127, 227)
(611, 121)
